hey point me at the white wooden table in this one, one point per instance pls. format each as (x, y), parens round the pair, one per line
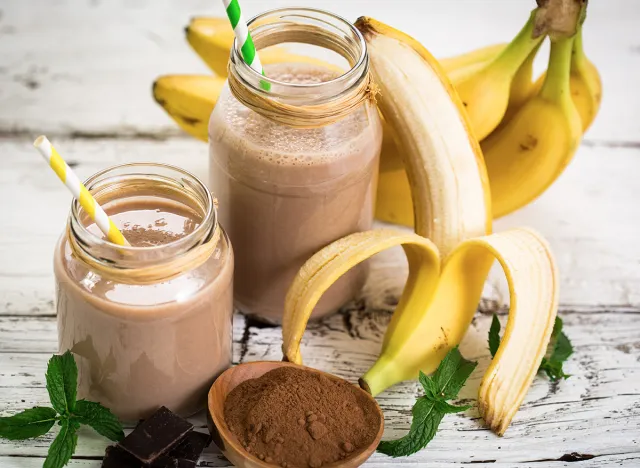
(81, 71)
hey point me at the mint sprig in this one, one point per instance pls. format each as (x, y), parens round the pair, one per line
(62, 382)
(428, 411)
(558, 351)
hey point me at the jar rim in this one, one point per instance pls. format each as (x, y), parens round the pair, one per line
(357, 71)
(202, 232)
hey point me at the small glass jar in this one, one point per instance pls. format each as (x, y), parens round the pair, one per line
(149, 324)
(286, 190)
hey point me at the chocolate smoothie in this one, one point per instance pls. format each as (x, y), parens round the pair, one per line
(287, 192)
(140, 346)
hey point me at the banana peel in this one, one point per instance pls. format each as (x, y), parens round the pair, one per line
(437, 306)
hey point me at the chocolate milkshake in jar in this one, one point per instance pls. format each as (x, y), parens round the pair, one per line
(149, 324)
(294, 157)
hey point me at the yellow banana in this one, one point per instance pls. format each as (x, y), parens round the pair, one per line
(526, 155)
(450, 255)
(394, 205)
(586, 86)
(485, 94)
(189, 100)
(481, 55)
(522, 86)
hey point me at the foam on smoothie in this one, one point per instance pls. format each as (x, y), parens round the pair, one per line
(272, 142)
(150, 222)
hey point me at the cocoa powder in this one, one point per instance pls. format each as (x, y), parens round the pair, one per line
(295, 418)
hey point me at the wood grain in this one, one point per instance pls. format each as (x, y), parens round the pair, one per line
(596, 411)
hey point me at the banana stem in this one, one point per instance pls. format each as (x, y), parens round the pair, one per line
(578, 58)
(518, 49)
(382, 375)
(556, 86)
(559, 18)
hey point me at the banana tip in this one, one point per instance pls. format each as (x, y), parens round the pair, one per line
(363, 24)
(364, 385)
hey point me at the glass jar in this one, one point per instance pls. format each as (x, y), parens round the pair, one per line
(289, 185)
(149, 324)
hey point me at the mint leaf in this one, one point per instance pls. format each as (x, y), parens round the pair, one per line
(429, 386)
(494, 335)
(558, 351)
(62, 382)
(446, 408)
(553, 370)
(426, 419)
(429, 410)
(452, 373)
(561, 350)
(63, 446)
(103, 421)
(28, 424)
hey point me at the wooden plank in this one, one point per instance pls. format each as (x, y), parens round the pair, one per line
(595, 412)
(592, 227)
(89, 72)
(377, 461)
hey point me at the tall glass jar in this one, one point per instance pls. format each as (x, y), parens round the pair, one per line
(294, 158)
(149, 324)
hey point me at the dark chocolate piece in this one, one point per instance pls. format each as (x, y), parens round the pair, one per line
(191, 447)
(156, 435)
(164, 461)
(116, 457)
(184, 463)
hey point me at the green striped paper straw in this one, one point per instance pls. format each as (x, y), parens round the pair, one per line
(241, 31)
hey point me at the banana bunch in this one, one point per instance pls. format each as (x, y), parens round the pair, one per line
(452, 250)
(528, 136)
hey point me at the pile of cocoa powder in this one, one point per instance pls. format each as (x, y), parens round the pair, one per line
(295, 418)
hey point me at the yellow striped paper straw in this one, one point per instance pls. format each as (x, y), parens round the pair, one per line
(79, 191)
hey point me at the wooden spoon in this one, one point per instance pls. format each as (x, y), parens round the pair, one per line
(227, 441)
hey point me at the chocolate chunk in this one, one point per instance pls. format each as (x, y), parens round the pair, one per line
(156, 436)
(116, 457)
(182, 463)
(163, 461)
(191, 447)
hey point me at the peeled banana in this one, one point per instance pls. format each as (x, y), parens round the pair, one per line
(530, 151)
(452, 251)
(455, 202)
